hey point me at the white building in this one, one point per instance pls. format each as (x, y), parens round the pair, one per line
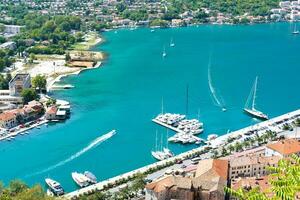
(8, 45)
(12, 29)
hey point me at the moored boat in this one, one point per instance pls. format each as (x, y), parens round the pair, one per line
(54, 187)
(80, 179)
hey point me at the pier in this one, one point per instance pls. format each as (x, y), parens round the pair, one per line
(179, 132)
(218, 142)
(168, 126)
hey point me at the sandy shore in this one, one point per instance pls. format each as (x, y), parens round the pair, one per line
(51, 81)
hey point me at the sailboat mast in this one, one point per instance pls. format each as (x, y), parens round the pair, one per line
(254, 94)
(167, 139)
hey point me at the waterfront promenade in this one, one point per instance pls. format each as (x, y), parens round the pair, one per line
(273, 124)
(21, 130)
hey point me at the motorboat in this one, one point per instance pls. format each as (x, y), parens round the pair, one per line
(80, 179)
(54, 187)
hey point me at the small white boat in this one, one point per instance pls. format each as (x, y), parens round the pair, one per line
(22, 133)
(80, 179)
(164, 54)
(152, 30)
(54, 186)
(26, 132)
(172, 44)
(159, 155)
(38, 127)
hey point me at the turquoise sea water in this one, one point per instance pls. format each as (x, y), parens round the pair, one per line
(126, 92)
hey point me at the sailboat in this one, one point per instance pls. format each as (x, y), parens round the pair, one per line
(172, 44)
(252, 111)
(295, 30)
(158, 153)
(166, 149)
(164, 54)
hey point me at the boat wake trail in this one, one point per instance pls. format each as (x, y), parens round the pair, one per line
(217, 101)
(93, 144)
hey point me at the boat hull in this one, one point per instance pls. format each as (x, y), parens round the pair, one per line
(255, 114)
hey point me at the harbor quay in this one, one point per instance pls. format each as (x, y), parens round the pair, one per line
(274, 124)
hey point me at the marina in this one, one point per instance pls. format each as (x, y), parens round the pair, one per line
(125, 94)
(214, 143)
(185, 129)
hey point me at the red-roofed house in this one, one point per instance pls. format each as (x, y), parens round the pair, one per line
(283, 148)
(8, 120)
(51, 113)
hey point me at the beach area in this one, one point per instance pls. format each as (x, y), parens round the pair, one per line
(55, 67)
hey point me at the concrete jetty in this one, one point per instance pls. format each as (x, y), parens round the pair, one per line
(177, 130)
(218, 142)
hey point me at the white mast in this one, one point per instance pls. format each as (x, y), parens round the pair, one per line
(254, 93)
(167, 138)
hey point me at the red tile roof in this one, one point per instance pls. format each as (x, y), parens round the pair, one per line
(286, 147)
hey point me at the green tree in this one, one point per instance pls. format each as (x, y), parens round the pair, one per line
(28, 95)
(39, 82)
(32, 57)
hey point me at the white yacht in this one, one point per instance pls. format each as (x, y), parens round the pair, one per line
(80, 179)
(252, 111)
(54, 186)
(159, 152)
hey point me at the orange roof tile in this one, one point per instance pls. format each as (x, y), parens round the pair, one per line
(169, 182)
(7, 116)
(286, 147)
(215, 167)
(263, 183)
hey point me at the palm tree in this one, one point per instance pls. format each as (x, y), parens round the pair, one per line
(238, 146)
(285, 183)
(231, 148)
(297, 122)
